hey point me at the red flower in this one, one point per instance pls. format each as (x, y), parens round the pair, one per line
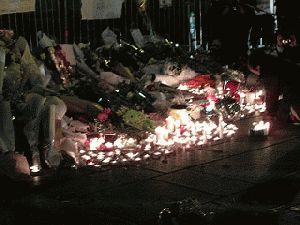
(150, 87)
(107, 110)
(103, 116)
(182, 129)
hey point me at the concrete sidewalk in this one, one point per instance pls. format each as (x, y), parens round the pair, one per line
(244, 181)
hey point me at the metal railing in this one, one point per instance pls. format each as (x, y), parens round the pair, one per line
(61, 20)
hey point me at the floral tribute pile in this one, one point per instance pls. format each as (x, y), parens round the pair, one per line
(126, 103)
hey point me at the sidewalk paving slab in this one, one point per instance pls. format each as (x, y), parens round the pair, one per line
(205, 182)
(142, 200)
(225, 176)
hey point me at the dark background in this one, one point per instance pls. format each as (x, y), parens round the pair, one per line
(61, 19)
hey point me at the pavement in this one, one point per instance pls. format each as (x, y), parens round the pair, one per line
(246, 180)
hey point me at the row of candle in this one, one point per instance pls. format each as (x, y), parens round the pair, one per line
(161, 143)
(179, 132)
(124, 151)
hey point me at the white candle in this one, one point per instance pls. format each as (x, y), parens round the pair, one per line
(200, 143)
(260, 42)
(221, 134)
(205, 133)
(94, 144)
(34, 169)
(147, 147)
(119, 143)
(109, 145)
(242, 98)
(193, 139)
(177, 124)
(170, 124)
(185, 118)
(147, 156)
(161, 134)
(265, 127)
(106, 161)
(101, 156)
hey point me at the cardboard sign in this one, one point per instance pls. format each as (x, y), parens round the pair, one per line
(165, 3)
(101, 9)
(16, 6)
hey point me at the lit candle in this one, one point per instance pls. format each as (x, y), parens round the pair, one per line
(131, 142)
(221, 134)
(184, 118)
(242, 98)
(119, 143)
(109, 146)
(167, 152)
(177, 124)
(82, 151)
(250, 97)
(110, 153)
(114, 162)
(147, 147)
(230, 132)
(131, 155)
(200, 143)
(170, 124)
(216, 138)
(170, 142)
(86, 157)
(187, 147)
(96, 142)
(34, 169)
(161, 134)
(263, 127)
(193, 139)
(147, 156)
(204, 133)
(101, 156)
(198, 126)
(157, 155)
(137, 159)
(106, 160)
(91, 163)
(150, 139)
(92, 154)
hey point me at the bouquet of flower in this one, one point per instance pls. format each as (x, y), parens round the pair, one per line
(55, 59)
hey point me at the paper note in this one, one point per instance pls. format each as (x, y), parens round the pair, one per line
(165, 3)
(101, 9)
(16, 6)
(138, 37)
